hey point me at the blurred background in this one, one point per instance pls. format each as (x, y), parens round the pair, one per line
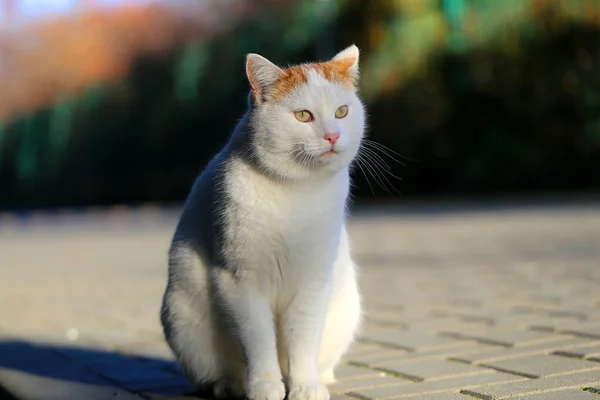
(125, 101)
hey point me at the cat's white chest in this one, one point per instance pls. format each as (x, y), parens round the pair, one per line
(291, 226)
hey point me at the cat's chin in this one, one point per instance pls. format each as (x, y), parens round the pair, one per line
(328, 154)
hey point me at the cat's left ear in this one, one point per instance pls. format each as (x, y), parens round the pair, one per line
(262, 75)
(347, 61)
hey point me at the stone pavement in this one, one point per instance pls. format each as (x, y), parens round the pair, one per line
(487, 304)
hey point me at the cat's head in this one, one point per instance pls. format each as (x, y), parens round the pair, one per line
(307, 119)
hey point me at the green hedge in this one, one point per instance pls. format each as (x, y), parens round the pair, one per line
(512, 106)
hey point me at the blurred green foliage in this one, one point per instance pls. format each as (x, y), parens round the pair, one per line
(484, 96)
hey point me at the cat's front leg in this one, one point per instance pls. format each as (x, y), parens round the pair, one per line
(252, 319)
(302, 328)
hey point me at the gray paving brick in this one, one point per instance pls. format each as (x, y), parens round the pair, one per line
(537, 366)
(477, 357)
(432, 325)
(590, 351)
(337, 396)
(129, 372)
(20, 356)
(593, 388)
(444, 396)
(384, 315)
(569, 394)
(425, 355)
(360, 349)
(567, 381)
(368, 359)
(430, 370)
(350, 372)
(526, 321)
(559, 312)
(26, 386)
(514, 338)
(413, 341)
(591, 329)
(440, 386)
(164, 386)
(379, 380)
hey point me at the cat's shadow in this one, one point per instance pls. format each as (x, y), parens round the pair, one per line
(33, 370)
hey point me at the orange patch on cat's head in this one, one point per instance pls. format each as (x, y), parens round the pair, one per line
(270, 82)
(296, 76)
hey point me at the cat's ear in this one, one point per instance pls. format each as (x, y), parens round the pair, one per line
(262, 74)
(347, 61)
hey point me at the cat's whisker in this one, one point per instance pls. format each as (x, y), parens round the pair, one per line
(358, 163)
(373, 172)
(381, 162)
(370, 172)
(385, 148)
(378, 172)
(379, 150)
(375, 146)
(377, 157)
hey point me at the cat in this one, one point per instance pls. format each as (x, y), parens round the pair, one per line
(262, 290)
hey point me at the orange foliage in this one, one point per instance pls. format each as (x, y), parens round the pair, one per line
(43, 60)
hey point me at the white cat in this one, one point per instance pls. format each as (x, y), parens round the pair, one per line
(262, 289)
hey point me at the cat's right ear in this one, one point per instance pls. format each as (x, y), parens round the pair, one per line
(262, 74)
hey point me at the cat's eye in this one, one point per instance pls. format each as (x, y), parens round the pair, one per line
(303, 116)
(341, 112)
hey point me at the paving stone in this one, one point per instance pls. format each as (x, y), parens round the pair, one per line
(368, 359)
(380, 380)
(413, 341)
(526, 321)
(20, 356)
(384, 315)
(359, 349)
(569, 394)
(585, 329)
(444, 396)
(27, 386)
(591, 351)
(343, 372)
(537, 366)
(154, 396)
(435, 354)
(593, 388)
(567, 381)
(163, 386)
(430, 370)
(132, 372)
(559, 312)
(513, 338)
(432, 326)
(340, 397)
(499, 353)
(445, 385)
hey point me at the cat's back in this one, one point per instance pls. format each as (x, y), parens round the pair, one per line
(199, 221)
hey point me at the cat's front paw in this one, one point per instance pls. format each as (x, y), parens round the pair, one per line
(309, 391)
(266, 390)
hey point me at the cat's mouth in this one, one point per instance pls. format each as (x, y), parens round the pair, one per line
(332, 151)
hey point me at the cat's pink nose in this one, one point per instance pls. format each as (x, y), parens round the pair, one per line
(332, 137)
